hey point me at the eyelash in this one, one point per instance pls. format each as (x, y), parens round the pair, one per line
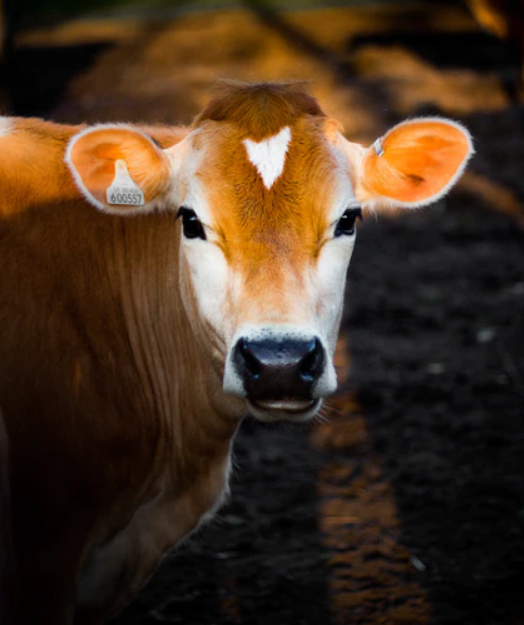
(346, 224)
(191, 225)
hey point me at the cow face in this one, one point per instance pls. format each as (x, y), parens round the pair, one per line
(268, 194)
(268, 228)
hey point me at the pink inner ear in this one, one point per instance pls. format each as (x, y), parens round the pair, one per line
(94, 154)
(94, 166)
(420, 161)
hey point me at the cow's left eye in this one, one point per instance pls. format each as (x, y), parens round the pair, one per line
(346, 224)
(191, 224)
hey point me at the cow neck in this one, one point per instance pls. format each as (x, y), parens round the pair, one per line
(180, 386)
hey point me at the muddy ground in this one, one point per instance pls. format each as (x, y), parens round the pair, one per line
(406, 505)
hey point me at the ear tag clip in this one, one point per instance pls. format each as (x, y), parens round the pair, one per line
(378, 148)
(123, 190)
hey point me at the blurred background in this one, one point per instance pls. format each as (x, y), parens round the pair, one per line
(406, 504)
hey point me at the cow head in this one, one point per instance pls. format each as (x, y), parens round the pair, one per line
(268, 194)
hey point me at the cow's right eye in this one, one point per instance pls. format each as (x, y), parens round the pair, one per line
(191, 224)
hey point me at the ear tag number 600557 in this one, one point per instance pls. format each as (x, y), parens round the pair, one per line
(123, 190)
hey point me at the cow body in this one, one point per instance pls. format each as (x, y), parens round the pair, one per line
(132, 345)
(91, 381)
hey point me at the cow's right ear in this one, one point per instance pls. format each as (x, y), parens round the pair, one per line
(119, 169)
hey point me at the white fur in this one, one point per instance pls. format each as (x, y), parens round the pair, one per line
(6, 126)
(186, 189)
(269, 155)
(212, 280)
(328, 277)
(214, 283)
(184, 158)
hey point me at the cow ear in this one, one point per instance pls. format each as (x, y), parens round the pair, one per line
(414, 164)
(119, 169)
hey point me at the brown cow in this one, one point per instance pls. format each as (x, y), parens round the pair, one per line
(157, 285)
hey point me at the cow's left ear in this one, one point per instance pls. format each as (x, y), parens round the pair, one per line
(414, 164)
(119, 169)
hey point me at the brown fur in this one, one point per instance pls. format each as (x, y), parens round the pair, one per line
(31, 165)
(114, 409)
(256, 225)
(93, 341)
(286, 222)
(259, 110)
(32, 170)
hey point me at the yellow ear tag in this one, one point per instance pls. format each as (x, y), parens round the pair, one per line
(123, 190)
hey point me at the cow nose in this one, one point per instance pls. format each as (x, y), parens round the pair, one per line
(276, 370)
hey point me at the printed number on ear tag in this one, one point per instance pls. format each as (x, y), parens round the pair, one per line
(123, 190)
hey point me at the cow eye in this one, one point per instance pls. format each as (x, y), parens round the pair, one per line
(346, 224)
(191, 224)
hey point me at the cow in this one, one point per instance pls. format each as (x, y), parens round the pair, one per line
(157, 285)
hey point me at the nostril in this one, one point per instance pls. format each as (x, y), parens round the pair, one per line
(271, 369)
(311, 363)
(251, 363)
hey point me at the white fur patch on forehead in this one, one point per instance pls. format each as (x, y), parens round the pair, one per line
(269, 155)
(6, 126)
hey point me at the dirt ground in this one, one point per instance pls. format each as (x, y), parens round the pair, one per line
(406, 504)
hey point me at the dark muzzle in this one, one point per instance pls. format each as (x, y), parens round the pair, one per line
(279, 370)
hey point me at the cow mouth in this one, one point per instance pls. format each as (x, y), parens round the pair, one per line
(284, 409)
